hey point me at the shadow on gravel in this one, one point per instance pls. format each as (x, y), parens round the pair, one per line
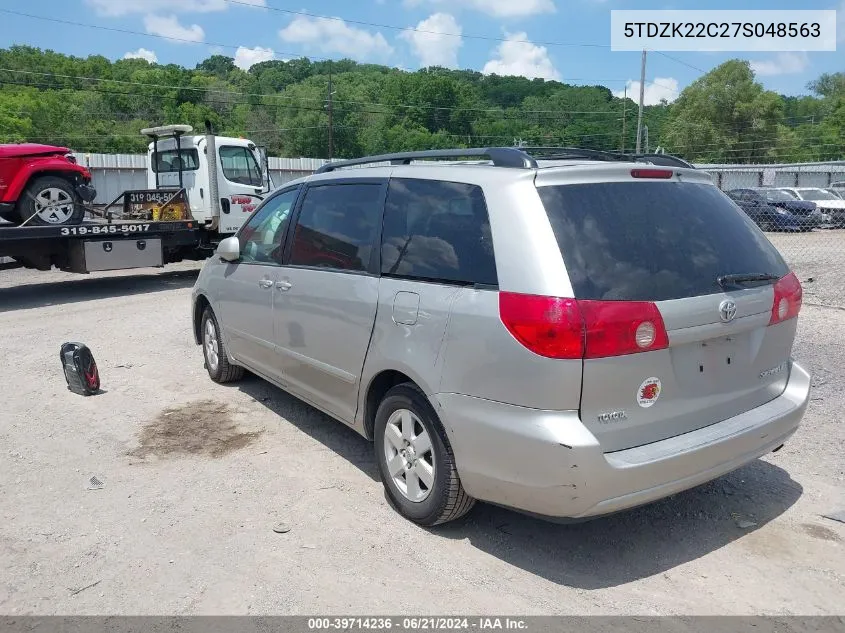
(601, 553)
(638, 543)
(332, 434)
(39, 295)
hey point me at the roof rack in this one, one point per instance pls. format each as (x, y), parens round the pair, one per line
(568, 153)
(565, 153)
(500, 156)
(662, 159)
(519, 157)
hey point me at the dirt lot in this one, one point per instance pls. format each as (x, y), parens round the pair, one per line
(196, 475)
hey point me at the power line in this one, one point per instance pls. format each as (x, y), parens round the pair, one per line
(680, 61)
(284, 97)
(417, 30)
(318, 57)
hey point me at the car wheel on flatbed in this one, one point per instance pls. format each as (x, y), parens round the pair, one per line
(415, 459)
(214, 350)
(49, 201)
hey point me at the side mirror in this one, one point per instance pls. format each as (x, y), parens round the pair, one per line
(229, 249)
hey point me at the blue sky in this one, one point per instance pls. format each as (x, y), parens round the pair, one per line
(554, 39)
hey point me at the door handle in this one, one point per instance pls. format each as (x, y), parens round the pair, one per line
(265, 283)
(284, 285)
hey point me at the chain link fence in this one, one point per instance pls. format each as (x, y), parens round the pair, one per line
(801, 207)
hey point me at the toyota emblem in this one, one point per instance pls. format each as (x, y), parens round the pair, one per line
(727, 310)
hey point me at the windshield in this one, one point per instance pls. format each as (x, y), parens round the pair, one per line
(777, 195)
(169, 160)
(816, 194)
(650, 241)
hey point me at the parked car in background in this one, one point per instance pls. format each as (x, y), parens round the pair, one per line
(767, 216)
(838, 187)
(836, 193)
(810, 216)
(566, 336)
(828, 203)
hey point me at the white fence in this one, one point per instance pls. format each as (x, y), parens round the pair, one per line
(115, 173)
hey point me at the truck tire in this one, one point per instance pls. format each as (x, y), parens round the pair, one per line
(50, 201)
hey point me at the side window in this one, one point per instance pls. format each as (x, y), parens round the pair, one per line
(261, 237)
(239, 166)
(437, 231)
(337, 226)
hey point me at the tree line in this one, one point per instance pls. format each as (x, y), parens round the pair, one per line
(96, 105)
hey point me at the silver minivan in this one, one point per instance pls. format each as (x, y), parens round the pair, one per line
(563, 332)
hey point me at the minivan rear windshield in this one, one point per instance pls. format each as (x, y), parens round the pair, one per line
(653, 241)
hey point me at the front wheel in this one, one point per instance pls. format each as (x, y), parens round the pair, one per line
(213, 349)
(50, 201)
(415, 459)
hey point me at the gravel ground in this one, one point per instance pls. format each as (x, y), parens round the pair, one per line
(195, 476)
(818, 258)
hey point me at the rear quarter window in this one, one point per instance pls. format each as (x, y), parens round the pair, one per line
(650, 241)
(437, 231)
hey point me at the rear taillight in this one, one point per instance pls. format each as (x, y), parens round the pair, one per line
(616, 328)
(548, 326)
(651, 173)
(788, 297)
(556, 327)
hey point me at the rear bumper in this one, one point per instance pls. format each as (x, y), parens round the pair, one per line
(548, 463)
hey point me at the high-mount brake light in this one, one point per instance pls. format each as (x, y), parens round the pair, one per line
(663, 174)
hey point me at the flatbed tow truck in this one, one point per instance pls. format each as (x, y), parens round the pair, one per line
(203, 188)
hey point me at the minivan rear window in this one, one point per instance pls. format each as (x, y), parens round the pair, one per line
(653, 241)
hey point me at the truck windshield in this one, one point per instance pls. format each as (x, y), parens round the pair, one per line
(167, 161)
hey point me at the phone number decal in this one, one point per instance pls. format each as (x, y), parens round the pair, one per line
(105, 229)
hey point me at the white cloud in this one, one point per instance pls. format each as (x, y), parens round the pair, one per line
(142, 53)
(655, 91)
(246, 57)
(430, 45)
(329, 35)
(517, 56)
(497, 8)
(122, 7)
(782, 64)
(168, 26)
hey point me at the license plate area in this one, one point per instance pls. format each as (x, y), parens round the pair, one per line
(721, 360)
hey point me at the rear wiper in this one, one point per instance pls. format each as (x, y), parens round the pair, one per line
(736, 279)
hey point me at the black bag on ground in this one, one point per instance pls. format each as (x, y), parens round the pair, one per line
(80, 369)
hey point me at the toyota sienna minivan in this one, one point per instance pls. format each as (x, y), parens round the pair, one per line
(564, 332)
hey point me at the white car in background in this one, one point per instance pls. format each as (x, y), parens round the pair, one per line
(828, 203)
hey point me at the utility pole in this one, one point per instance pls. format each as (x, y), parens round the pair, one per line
(331, 115)
(624, 113)
(642, 96)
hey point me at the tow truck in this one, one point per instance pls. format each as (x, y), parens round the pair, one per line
(202, 188)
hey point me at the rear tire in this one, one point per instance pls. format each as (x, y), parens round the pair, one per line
(50, 201)
(410, 439)
(214, 351)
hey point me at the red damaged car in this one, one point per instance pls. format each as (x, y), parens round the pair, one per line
(42, 185)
